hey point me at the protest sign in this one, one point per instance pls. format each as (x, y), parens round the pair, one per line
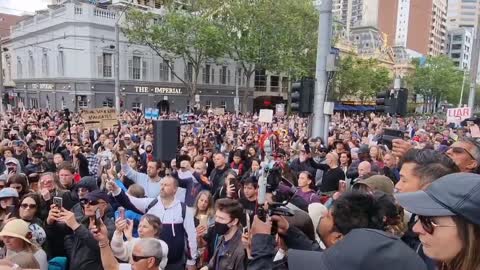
(99, 118)
(219, 111)
(457, 115)
(265, 116)
(280, 109)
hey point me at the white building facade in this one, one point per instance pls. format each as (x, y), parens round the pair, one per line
(64, 57)
(460, 43)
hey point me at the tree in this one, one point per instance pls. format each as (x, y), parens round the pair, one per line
(275, 35)
(360, 78)
(436, 79)
(179, 34)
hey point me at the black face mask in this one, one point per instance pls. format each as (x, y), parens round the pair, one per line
(221, 228)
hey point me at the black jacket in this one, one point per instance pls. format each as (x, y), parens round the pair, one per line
(235, 257)
(81, 248)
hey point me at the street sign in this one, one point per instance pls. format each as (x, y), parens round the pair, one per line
(457, 115)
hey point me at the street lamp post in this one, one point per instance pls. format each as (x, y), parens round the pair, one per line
(2, 88)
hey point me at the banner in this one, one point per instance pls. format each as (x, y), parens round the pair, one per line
(99, 118)
(148, 113)
(457, 115)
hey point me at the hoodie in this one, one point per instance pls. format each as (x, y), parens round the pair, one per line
(4, 175)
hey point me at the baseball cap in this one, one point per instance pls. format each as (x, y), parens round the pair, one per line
(456, 194)
(8, 192)
(97, 195)
(377, 182)
(361, 249)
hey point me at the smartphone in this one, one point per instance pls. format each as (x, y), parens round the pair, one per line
(245, 230)
(58, 202)
(203, 220)
(10, 210)
(10, 170)
(121, 212)
(389, 135)
(249, 223)
(98, 218)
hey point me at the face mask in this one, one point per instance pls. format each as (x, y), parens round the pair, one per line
(221, 228)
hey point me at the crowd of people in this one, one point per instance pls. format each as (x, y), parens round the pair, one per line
(77, 197)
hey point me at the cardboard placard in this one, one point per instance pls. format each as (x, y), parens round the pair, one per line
(99, 118)
(219, 111)
(265, 116)
(457, 115)
(280, 109)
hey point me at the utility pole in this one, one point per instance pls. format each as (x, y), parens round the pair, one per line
(474, 65)
(2, 89)
(117, 67)
(463, 88)
(237, 99)
(324, 7)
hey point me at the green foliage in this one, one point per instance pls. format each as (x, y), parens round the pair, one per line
(360, 78)
(438, 77)
(178, 34)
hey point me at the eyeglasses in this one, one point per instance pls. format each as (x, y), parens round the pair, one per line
(26, 205)
(460, 150)
(52, 136)
(429, 225)
(136, 258)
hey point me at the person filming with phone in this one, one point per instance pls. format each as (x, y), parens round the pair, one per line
(82, 249)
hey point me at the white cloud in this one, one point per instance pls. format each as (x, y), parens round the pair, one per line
(19, 7)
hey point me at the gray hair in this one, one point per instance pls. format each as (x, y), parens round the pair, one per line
(152, 247)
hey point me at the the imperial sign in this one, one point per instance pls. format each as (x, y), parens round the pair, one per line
(158, 90)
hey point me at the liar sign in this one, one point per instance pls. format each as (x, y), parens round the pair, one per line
(457, 115)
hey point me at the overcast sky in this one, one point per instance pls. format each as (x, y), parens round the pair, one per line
(19, 7)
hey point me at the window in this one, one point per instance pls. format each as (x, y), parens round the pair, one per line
(223, 104)
(285, 84)
(239, 76)
(136, 106)
(19, 68)
(455, 55)
(31, 67)
(164, 70)
(45, 65)
(107, 65)
(134, 67)
(82, 101)
(274, 83)
(456, 46)
(260, 80)
(172, 71)
(144, 71)
(223, 75)
(60, 63)
(206, 74)
(33, 103)
(213, 76)
(108, 103)
(228, 77)
(189, 72)
(208, 104)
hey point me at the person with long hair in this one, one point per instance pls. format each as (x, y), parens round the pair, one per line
(17, 238)
(28, 211)
(8, 204)
(150, 227)
(345, 161)
(20, 183)
(204, 218)
(448, 223)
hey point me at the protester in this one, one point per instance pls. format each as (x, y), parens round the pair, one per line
(18, 240)
(447, 214)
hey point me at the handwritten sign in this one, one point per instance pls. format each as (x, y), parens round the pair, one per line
(219, 111)
(280, 109)
(99, 118)
(457, 115)
(265, 116)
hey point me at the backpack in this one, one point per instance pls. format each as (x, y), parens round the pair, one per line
(155, 201)
(57, 263)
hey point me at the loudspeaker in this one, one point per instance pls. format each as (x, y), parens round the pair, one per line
(165, 139)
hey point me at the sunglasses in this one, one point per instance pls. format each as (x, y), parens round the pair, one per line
(26, 205)
(92, 203)
(429, 225)
(136, 258)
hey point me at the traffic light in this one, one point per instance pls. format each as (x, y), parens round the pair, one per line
(382, 103)
(302, 96)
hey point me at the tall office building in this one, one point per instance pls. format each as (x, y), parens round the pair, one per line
(420, 26)
(463, 13)
(356, 13)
